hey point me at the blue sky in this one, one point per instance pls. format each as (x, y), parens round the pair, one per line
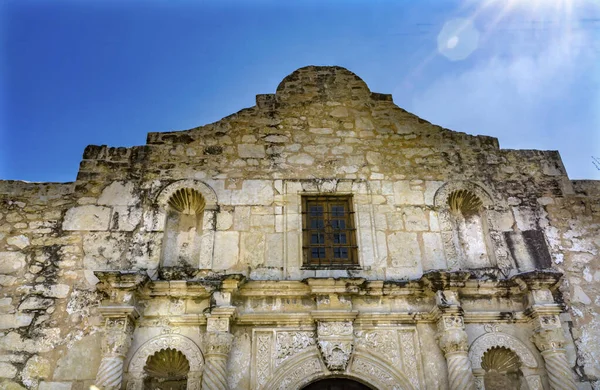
(78, 72)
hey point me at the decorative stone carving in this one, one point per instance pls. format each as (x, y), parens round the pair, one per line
(370, 369)
(497, 339)
(263, 357)
(209, 195)
(534, 382)
(383, 342)
(167, 341)
(337, 328)
(306, 369)
(289, 344)
(409, 357)
(336, 342)
(218, 343)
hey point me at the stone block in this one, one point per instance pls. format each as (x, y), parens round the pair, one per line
(55, 386)
(224, 220)
(226, 251)
(81, 360)
(253, 192)
(241, 220)
(404, 195)
(18, 320)
(415, 219)
(274, 250)
(125, 218)
(403, 249)
(252, 251)
(104, 250)
(35, 303)
(301, 159)
(433, 257)
(7, 370)
(36, 368)
(118, 194)
(20, 241)
(11, 262)
(87, 217)
(251, 151)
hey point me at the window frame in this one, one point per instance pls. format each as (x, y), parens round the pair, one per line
(329, 201)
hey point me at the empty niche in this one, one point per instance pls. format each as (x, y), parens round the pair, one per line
(470, 228)
(166, 369)
(502, 370)
(183, 229)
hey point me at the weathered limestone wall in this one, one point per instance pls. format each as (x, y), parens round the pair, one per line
(48, 297)
(322, 132)
(573, 232)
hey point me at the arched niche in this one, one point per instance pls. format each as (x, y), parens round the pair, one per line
(462, 209)
(190, 208)
(183, 344)
(308, 367)
(494, 340)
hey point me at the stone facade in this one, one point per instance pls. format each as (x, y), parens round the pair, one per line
(477, 266)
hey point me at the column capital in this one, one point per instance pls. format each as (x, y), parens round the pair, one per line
(548, 340)
(218, 343)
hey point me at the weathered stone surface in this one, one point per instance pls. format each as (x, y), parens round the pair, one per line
(35, 369)
(19, 320)
(11, 262)
(426, 267)
(118, 194)
(7, 370)
(81, 361)
(251, 151)
(87, 217)
(20, 241)
(55, 386)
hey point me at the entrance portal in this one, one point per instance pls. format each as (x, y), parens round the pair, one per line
(336, 384)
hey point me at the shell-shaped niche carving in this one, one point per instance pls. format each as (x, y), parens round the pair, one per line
(500, 359)
(187, 201)
(167, 363)
(464, 202)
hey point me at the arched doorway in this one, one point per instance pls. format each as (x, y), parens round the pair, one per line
(336, 384)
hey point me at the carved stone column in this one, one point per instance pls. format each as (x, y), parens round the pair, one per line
(549, 337)
(550, 341)
(118, 334)
(218, 341)
(218, 345)
(119, 313)
(453, 340)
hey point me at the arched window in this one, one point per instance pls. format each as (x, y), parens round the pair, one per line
(470, 227)
(183, 229)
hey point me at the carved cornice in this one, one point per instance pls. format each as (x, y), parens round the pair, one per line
(121, 280)
(536, 280)
(180, 289)
(445, 280)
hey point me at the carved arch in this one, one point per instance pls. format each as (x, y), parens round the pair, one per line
(174, 341)
(210, 196)
(440, 199)
(308, 367)
(497, 339)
